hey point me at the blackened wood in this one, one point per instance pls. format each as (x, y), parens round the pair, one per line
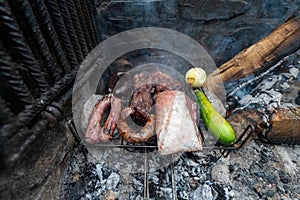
(285, 125)
(283, 41)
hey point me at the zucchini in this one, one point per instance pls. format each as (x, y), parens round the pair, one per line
(216, 125)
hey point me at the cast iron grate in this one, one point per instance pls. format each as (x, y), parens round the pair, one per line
(42, 44)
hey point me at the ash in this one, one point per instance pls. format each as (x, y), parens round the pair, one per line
(257, 171)
(192, 177)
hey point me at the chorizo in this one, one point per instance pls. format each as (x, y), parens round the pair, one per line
(113, 117)
(94, 132)
(133, 136)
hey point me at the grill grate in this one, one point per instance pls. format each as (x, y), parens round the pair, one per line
(42, 44)
(120, 143)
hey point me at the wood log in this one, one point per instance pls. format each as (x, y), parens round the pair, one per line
(284, 124)
(283, 41)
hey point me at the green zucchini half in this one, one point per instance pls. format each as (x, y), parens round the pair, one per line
(216, 125)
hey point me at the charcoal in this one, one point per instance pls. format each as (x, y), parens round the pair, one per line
(139, 197)
(138, 185)
(260, 174)
(185, 174)
(183, 195)
(264, 156)
(99, 171)
(167, 192)
(220, 173)
(106, 173)
(294, 72)
(270, 193)
(218, 190)
(153, 179)
(204, 192)
(112, 181)
(284, 178)
(194, 171)
(272, 178)
(191, 163)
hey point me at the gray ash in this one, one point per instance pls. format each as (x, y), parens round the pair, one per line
(192, 177)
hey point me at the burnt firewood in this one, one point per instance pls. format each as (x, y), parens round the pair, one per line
(285, 123)
(282, 128)
(282, 42)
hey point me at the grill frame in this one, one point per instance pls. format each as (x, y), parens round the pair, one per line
(42, 45)
(121, 143)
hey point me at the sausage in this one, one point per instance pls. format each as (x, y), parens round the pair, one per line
(113, 117)
(112, 81)
(94, 132)
(132, 136)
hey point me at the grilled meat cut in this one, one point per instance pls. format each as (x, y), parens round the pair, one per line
(175, 128)
(94, 132)
(138, 135)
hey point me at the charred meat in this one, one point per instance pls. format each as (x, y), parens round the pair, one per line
(94, 132)
(140, 135)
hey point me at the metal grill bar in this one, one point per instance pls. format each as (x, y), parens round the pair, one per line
(122, 145)
(146, 182)
(30, 135)
(21, 50)
(27, 13)
(6, 116)
(48, 30)
(72, 128)
(174, 193)
(70, 28)
(92, 10)
(83, 24)
(225, 150)
(31, 111)
(87, 18)
(77, 26)
(13, 80)
(61, 29)
(41, 44)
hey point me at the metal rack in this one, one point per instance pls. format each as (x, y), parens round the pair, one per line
(225, 151)
(42, 44)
